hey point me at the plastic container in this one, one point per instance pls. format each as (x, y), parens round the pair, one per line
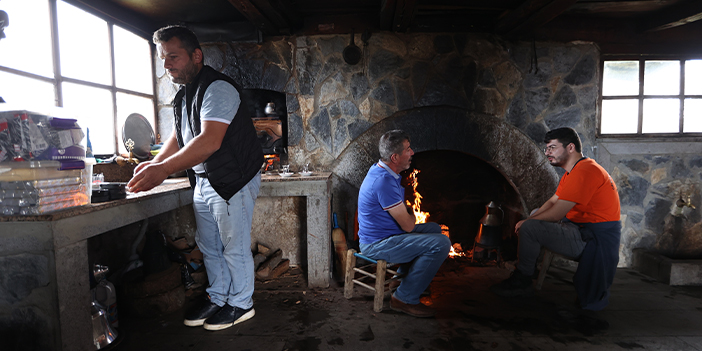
(38, 187)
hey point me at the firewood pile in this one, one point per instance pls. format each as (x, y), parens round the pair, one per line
(269, 264)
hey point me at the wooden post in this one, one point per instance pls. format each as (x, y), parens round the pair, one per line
(379, 285)
(348, 277)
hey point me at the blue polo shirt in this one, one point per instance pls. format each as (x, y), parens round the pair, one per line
(380, 191)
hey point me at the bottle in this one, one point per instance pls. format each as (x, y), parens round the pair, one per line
(105, 294)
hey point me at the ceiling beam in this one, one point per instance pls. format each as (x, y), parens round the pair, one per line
(619, 6)
(387, 14)
(530, 15)
(677, 15)
(403, 15)
(255, 16)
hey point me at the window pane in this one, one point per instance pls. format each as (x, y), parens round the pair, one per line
(692, 122)
(620, 116)
(93, 109)
(28, 37)
(662, 78)
(128, 104)
(132, 62)
(661, 116)
(84, 45)
(26, 93)
(620, 78)
(693, 72)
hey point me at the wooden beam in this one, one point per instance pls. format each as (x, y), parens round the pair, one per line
(255, 16)
(109, 11)
(387, 14)
(531, 15)
(677, 15)
(404, 14)
(618, 6)
(273, 14)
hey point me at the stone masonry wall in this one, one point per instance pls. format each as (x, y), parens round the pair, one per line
(533, 86)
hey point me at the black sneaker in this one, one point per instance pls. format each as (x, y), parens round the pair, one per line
(517, 284)
(228, 316)
(198, 316)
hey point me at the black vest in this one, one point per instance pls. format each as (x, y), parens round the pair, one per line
(240, 157)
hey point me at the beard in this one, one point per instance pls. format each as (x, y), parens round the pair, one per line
(186, 74)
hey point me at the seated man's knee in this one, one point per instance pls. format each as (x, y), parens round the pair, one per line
(444, 244)
(529, 227)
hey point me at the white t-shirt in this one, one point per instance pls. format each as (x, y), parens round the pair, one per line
(220, 104)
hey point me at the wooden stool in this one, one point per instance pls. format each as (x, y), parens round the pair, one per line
(375, 270)
(545, 264)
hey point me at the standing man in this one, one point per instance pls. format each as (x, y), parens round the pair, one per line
(581, 221)
(215, 141)
(387, 229)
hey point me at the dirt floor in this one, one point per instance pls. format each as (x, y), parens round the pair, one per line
(643, 315)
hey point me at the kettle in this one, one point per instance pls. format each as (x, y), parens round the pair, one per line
(490, 233)
(103, 334)
(492, 216)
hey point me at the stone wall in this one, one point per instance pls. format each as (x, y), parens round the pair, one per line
(651, 177)
(532, 86)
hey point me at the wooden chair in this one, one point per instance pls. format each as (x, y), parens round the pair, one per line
(373, 273)
(545, 264)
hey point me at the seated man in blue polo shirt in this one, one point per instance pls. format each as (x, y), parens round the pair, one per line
(387, 229)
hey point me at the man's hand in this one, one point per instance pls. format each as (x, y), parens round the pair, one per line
(519, 225)
(147, 176)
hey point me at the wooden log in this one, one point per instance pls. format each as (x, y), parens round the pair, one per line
(263, 272)
(262, 249)
(258, 259)
(280, 269)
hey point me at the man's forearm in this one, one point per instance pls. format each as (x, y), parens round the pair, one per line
(195, 152)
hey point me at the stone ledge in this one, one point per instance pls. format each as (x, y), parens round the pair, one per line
(667, 270)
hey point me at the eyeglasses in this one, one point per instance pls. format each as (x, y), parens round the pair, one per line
(550, 148)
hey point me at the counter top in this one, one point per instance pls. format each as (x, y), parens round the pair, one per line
(168, 186)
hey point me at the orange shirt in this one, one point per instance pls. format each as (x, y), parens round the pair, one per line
(593, 191)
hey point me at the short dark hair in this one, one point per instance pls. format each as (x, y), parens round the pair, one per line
(565, 136)
(392, 143)
(188, 39)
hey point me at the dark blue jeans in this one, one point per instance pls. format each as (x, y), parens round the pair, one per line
(424, 249)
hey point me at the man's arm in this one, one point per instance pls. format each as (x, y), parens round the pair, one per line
(405, 219)
(552, 210)
(195, 152)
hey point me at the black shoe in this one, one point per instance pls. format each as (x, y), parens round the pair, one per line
(517, 284)
(228, 316)
(197, 317)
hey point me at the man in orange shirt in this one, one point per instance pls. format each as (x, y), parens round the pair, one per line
(581, 220)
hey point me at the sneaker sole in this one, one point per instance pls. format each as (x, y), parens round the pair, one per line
(194, 323)
(243, 318)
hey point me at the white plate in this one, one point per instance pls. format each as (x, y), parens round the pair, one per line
(305, 174)
(285, 175)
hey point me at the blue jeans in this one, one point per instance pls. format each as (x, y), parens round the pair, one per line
(425, 249)
(224, 237)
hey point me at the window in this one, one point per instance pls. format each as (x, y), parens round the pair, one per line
(651, 97)
(97, 71)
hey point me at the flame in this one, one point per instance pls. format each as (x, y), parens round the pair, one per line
(269, 160)
(421, 217)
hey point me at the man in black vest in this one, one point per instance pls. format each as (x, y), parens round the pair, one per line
(215, 141)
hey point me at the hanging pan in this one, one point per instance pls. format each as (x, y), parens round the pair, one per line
(352, 53)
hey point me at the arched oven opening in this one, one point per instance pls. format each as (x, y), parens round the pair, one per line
(454, 188)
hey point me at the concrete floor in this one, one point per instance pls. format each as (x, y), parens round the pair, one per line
(643, 314)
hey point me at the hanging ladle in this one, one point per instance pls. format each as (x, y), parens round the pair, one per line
(352, 53)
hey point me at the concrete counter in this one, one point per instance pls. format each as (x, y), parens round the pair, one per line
(49, 253)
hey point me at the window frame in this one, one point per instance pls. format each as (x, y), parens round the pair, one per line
(58, 79)
(640, 97)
